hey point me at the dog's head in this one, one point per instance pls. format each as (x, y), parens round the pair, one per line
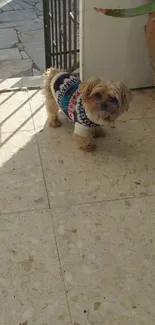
(104, 101)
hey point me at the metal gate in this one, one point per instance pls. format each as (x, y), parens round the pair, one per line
(61, 32)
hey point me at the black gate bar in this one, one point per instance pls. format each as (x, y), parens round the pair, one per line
(61, 33)
(47, 34)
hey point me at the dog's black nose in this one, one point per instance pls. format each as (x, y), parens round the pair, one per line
(104, 107)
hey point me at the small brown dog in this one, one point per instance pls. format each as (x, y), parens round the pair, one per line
(88, 104)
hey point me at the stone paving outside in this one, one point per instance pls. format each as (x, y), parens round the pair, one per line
(21, 38)
(77, 233)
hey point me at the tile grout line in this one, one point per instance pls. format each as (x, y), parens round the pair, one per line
(24, 211)
(39, 151)
(60, 265)
(23, 130)
(150, 125)
(103, 201)
(79, 204)
(61, 269)
(19, 89)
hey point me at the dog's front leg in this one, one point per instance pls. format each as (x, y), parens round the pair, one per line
(82, 137)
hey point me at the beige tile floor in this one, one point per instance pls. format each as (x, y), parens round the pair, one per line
(77, 232)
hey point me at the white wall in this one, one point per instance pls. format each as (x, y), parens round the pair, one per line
(114, 47)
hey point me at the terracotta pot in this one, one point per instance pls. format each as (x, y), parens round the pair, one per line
(150, 38)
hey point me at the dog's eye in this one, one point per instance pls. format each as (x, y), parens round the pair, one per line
(98, 96)
(113, 100)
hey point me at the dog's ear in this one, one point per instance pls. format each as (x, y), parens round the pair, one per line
(119, 91)
(88, 86)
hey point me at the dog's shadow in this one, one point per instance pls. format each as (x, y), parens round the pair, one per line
(112, 144)
(115, 154)
(24, 155)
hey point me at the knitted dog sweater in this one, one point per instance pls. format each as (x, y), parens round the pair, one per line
(65, 89)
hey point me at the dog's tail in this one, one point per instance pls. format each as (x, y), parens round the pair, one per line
(48, 76)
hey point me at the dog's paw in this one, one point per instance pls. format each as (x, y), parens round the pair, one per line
(55, 124)
(88, 148)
